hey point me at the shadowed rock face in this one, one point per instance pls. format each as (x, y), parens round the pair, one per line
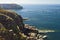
(6, 16)
(11, 21)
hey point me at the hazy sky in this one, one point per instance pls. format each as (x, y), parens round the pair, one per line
(31, 1)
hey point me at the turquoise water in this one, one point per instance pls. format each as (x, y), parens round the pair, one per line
(43, 17)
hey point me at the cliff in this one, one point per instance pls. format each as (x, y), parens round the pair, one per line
(10, 6)
(13, 28)
(10, 21)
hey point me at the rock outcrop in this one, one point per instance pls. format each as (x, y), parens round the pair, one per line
(11, 22)
(13, 16)
(13, 28)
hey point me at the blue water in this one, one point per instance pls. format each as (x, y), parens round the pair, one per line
(43, 17)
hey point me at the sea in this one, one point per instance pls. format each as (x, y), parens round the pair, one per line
(43, 17)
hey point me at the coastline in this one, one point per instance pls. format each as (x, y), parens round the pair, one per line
(34, 28)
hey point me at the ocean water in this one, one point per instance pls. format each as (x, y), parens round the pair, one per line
(43, 17)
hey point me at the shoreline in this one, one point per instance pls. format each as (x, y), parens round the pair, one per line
(42, 30)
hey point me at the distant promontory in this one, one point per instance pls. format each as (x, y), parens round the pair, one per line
(11, 6)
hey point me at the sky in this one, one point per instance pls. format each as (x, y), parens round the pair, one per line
(31, 1)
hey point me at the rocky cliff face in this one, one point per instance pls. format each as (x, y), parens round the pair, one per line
(13, 17)
(13, 28)
(11, 22)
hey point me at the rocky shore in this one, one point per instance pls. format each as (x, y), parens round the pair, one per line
(13, 28)
(35, 34)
